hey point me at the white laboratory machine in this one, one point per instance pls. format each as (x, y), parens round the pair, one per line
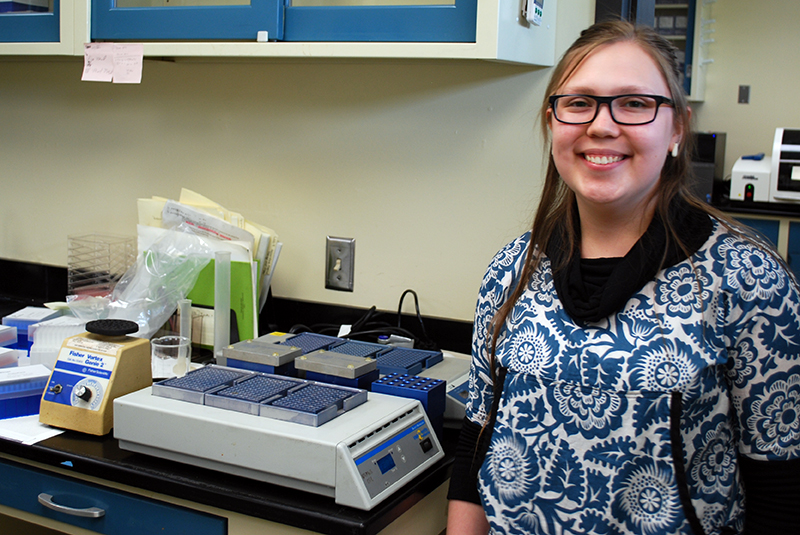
(770, 179)
(785, 171)
(355, 446)
(750, 179)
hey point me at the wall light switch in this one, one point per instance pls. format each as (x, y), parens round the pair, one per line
(744, 94)
(339, 263)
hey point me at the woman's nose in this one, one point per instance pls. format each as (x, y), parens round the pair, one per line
(603, 123)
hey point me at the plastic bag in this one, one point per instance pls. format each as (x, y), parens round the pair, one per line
(148, 293)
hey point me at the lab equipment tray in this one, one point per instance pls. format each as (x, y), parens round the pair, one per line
(273, 396)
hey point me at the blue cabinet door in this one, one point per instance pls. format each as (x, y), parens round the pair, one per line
(187, 23)
(417, 23)
(768, 228)
(29, 26)
(284, 22)
(96, 508)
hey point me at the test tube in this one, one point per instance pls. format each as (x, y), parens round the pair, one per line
(222, 301)
(185, 313)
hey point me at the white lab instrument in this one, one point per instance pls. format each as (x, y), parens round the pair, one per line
(750, 179)
(359, 456)
(785, 170)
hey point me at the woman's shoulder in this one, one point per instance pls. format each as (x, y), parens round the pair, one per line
(729, 238)
(507, 263)
(511, 253)
(747, 262)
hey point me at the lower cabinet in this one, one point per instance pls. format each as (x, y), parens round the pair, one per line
(97, 508)
(768, 228)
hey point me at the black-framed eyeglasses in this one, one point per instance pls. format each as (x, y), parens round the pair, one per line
(626, 110)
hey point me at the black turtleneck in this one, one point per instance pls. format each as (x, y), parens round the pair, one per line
(592, 289)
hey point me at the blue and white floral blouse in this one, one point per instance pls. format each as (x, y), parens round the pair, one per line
(633, 424)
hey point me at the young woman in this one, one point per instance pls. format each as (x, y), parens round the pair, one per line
(636, 356)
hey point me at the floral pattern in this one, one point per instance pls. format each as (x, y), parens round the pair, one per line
(705, 358)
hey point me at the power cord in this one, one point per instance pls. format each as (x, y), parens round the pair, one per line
(371, 325)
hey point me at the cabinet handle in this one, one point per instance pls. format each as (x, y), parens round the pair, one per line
(90, 512)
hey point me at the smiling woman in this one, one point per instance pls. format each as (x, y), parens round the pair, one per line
(635, 355)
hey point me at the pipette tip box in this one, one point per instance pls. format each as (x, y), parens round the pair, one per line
(24, 318)
(8, 336)
(21, 390)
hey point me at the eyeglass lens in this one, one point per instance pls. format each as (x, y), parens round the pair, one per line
(625, 109)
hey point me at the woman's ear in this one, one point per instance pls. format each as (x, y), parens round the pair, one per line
(679, 131)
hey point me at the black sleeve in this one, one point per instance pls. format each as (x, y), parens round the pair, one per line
(772, 496)
(464, 481)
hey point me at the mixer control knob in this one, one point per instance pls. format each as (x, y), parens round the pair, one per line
(84, 393)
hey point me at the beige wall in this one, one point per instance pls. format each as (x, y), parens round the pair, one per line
(430, 165)
(756, 45)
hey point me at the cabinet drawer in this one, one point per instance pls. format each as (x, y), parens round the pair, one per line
(97, 508)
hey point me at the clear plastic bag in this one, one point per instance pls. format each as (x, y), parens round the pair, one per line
(148, 293)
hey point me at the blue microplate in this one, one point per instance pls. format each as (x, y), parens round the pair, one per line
(359, 349)
(274, 396)
(309, 342)
(312, 399)
(246, 395)
(314, 404)
(194, 386)
(408, 361)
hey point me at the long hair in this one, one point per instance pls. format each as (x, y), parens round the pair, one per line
(557, 209)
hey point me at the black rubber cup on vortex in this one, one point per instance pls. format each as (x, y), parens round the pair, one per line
(112, 327)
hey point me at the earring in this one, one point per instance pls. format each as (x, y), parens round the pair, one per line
(675, 150)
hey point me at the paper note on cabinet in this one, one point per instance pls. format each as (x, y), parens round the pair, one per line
(113, 62)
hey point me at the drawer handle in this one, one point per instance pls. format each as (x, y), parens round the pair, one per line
(90, 512)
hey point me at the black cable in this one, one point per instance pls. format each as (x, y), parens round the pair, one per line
(425, 337)
(369, 324)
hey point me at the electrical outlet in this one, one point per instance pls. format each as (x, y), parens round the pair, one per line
(339, 263)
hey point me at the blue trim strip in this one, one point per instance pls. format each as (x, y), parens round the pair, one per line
(187, 22)
(31, 27)
(82, 369)
(383, 23)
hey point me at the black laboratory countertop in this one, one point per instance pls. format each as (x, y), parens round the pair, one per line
(101, 457)
(23, 284)
(758, 208)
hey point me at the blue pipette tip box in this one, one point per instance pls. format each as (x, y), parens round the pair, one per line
(8, 336)
(21, 390)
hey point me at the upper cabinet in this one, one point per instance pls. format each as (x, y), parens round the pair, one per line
(436, 29)
(687, 24)
(37, 27)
